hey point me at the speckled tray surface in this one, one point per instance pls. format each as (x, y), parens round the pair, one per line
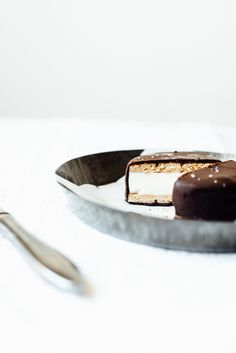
(97, 183)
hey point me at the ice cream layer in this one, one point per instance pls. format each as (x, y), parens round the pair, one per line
(152, 183)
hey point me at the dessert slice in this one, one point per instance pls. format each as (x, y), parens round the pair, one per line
(208, 194)
(150, 178)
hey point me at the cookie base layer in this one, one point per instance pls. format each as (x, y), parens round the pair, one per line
(151, 200)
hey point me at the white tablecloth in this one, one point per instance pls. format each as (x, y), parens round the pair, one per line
(142, 300)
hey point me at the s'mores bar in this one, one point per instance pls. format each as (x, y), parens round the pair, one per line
(208, 194)
(150, 178)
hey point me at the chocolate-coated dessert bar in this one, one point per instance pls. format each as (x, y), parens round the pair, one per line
(208, 194)
(150, 178)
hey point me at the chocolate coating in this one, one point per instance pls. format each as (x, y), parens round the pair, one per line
(178, 157)
(208, 194)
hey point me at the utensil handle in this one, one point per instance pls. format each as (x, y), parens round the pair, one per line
(48, 262)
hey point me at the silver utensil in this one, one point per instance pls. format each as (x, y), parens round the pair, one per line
(48, 262)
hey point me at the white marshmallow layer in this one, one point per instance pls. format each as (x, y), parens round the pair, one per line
(152, 183)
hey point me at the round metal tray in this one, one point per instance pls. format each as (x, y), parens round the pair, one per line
(179, 234)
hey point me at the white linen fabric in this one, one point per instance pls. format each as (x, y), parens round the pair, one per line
(142, 299)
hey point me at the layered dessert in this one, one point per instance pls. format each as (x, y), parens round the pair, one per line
(150, 179)
(208, 194)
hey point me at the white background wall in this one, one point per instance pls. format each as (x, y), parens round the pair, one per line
(157, 59)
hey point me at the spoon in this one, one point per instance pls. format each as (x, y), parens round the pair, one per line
(48, 262)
